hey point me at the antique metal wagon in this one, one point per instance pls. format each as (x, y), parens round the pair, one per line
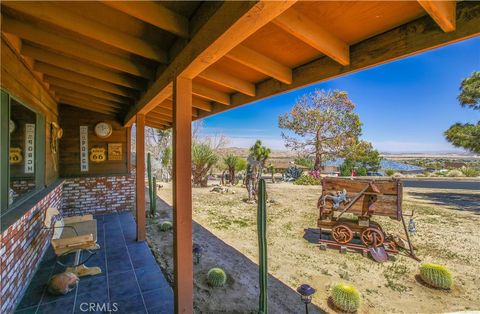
(361, 200)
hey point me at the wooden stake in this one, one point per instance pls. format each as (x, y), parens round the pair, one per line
(140, 177)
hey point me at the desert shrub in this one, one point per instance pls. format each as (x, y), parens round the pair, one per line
(454, 173)
(398, 175)
(436, 275)
(292, 173)
(216, 277)
(307, 180)
(165, 226)
(389, 172)
(470, 172)
(346, 297)
(361, 171)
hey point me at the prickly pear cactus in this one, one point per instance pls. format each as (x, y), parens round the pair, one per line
(436, 275)
(165, 226)
(262, 245)
(346, 297)
(216, 277)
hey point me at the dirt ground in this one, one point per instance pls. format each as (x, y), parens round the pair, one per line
(447, 233)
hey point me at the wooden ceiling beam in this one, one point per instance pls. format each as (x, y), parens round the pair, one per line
(79, 103)
(51, 13)
(300, 26)
(442, 12)
(154, 13)
(74, 48)
(198, 103)
(229, 81)
(159, 116)
(62, 92)
(211, 94)
(82, 80)
(261, 63)
(86, 90)
(406, 40)
(81, 95)
(166, 107)
(80, 67)
(227, 27)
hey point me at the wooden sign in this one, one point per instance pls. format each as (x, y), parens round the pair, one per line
(97, 155)
(15, 155)
(84, 148)
(115, 151)
(29, 148)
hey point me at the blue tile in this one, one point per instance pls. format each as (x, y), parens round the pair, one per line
(29, 310)
(62, 306)
(118, 252)
(139, 247)
(151, 279)
(160, 300)
(48, 297)
(122, 285)
(32, 296)
(96, 284)
(118, 266)
(144, 262)
(130, 305)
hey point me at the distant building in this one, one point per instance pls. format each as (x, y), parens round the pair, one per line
(454, 164)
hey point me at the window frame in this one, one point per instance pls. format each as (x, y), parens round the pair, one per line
(40, 140)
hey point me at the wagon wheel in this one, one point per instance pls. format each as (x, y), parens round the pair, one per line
(372, 237)
(342, 234)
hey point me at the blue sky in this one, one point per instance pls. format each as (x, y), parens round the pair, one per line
(404, 105)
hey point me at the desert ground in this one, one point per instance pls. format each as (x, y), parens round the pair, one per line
(448, 233)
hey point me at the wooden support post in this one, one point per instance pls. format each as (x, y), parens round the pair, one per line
(140, 177)
(182, 194)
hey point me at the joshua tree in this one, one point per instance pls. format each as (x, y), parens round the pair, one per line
(256, 162)
(203, 159)
(231, 161)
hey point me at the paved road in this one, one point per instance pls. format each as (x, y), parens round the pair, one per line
(443, 184)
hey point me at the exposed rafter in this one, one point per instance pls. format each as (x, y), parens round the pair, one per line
(154, 13)
(80, 103)
(83, 79)
(312, 34)
(74, 48)
(228, 80)
(80, 67)
(211, 94)
(59, 91)
(442, 12)
(50, 13)
(227, 27)
(261, 63)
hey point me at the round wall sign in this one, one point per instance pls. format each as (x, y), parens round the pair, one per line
(103, 129)
(12, 126)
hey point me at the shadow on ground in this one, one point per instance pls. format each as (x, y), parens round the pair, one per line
(456, 201)
(240, 295)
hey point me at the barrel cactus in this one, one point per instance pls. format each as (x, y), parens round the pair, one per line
(437, 276)
(165, 226)
(346, 297)
(216, 277)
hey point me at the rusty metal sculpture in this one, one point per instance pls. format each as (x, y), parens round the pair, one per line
(361, 199)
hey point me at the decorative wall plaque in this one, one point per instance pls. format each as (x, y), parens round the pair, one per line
(29, 148)
(115, 151)
(97, 155)
(15, 155)
(84, 148)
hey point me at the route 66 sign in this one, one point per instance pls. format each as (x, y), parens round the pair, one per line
(98, 155)
(15, 156)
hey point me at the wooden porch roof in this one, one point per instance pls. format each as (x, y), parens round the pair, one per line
(120, 58)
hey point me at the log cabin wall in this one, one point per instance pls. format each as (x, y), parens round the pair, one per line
(71, 118)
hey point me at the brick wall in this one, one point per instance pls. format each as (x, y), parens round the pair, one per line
(98, 194)
(22, 246)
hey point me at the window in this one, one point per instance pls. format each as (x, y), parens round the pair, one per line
(22, 155)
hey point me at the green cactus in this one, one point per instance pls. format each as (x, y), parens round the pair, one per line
(216, 277)
(346, 297)
(149, 176)
(165, 226)
(262, 245)
(437, 276)
(153, 203)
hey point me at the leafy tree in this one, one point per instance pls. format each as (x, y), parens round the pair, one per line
(304, 161)
(323, 123)
(233, 163)
(203, 159)
(167, 161)
(362, 157)
(467, 135)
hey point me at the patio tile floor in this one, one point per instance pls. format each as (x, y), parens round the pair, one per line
(130, 278)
